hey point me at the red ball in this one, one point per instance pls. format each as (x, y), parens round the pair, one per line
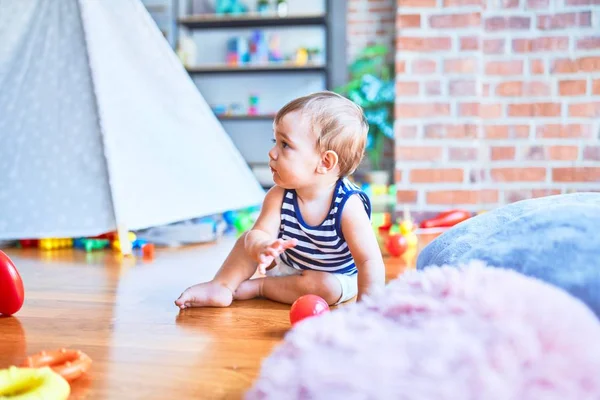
(307, 306)
(12, 293)
(396, 245)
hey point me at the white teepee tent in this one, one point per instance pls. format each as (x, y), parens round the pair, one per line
(101, 128)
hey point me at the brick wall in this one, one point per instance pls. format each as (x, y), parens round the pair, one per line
(497, 101)
(370, 21)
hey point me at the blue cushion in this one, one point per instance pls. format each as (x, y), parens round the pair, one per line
(555, 239)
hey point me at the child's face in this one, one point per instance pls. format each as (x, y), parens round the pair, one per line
(294, 157)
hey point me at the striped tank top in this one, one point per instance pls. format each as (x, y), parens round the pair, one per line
(321, 247)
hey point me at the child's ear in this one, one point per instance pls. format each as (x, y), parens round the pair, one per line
(329, 160)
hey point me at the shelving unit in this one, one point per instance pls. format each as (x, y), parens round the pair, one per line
(192, 22)
(253, 69)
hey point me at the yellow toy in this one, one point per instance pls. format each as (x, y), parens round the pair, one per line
(32, 384)
(116, 244)
(55, 243)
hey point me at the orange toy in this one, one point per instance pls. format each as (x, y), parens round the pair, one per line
(70, 364)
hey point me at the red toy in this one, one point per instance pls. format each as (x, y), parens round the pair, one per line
(307, 306)
(70, 364)
(396, 245)
(12, 293)
(446, 219)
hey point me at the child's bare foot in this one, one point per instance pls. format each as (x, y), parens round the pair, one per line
(209, 294)
(249, 289)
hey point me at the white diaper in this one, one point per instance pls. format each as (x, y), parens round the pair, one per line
(348, 283)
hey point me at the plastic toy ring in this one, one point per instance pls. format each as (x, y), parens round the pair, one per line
(32, 383)
(70, 364)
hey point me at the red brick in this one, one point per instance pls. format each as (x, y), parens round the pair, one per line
(485, 90)
(494, 24)
(576, 174)
(460, 88)
(405, 131)
(457, 3)
(534, 153)
(400, 67)
(514, 67)
(452, 21)
(591, 153)
(408, 21)
(588, 43)
(557, 131)
(462, 196)
(480, 110)
(417, 3)
(463, 153)
(541, 44)
(537, 67)
(433, 88)
(407, 88)
(431, 175)
(530, 174)
(564, 153)
(419, 153)
(424, 44)
(582, 2)
(507, 131)
(469, 43)
(460, 65)
(406, 196)
(585, 109)
(509, 89)
(544, 4)
(503, 153)
(507, 3)
(584, 64)
(589, 64)
(564, 20)
(424, 67)
(534, 110)
(493, 46)
(460, 131)
(596, 86)
(535, 193)
(572, 88)
(425, 110)
(397, 175)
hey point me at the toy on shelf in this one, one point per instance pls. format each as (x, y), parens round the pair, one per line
(253, 104)
(307, 306)
(29, 243)
(12, 292)
(230, 7)
(33, 383)
(91, 244)
(446, 219)
(70, 364)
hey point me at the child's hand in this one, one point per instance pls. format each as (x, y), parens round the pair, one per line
(271, 251)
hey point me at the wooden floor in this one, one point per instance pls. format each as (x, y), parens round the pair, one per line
(121, 313)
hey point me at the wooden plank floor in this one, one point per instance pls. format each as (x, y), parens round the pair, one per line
(121, 313)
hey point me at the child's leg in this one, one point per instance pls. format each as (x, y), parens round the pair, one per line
(287, 289)
(237, 268)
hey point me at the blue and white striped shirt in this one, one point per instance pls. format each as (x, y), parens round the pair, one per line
(321, 247)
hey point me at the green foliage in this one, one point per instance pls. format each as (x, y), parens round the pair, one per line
(371, 86)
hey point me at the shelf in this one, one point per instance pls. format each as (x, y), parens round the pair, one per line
(246, 117)
(235, 69)
(250, 20)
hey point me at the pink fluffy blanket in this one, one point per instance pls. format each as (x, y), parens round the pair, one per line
(472, 332)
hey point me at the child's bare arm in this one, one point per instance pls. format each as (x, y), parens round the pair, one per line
(359, 235)
(261, 241)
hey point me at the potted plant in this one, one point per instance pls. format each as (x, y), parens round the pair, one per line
(371, 86)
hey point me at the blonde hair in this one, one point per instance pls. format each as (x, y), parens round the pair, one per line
(341, 126)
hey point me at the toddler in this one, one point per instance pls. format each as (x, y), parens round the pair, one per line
(313, 234)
